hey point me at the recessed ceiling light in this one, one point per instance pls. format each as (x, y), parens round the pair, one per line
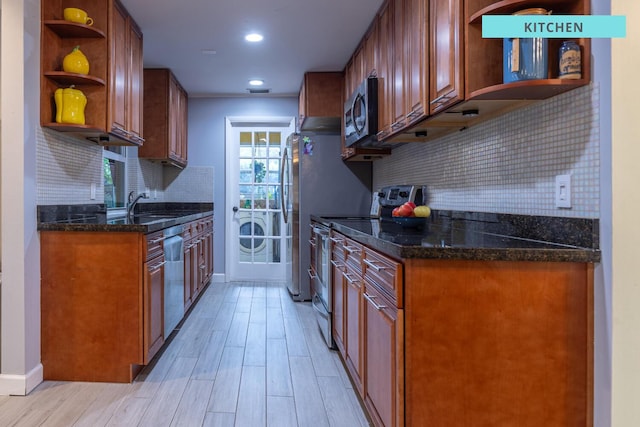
(253, 37)
(256, 82)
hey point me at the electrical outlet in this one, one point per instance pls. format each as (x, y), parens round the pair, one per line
(92, 196)
(563, 191)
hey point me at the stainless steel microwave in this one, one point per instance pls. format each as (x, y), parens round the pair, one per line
(361, 114)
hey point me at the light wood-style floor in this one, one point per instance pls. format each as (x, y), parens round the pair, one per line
(247, 355)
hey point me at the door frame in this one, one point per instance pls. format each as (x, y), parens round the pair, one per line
(230, 123)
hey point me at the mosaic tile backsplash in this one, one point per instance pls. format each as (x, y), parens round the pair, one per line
(67, 168)
(505, 165)
(509, 164)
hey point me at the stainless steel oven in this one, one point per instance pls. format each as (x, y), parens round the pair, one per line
(320, 276)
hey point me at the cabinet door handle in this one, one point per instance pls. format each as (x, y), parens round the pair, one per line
(373, 303)
(312, 242)
(375, 267)
(441, 99)
(311, 275)
(159, 239)
(336, 264)
(397, 125)
(157, 266)
(348, 277)
(336, 240)
(351, 249)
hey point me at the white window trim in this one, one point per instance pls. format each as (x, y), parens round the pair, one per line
(106, 154)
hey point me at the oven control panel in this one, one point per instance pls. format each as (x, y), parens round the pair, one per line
(396, 195)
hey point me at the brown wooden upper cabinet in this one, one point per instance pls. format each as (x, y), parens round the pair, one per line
(445, 54)
(430, 58)
(113, 87)
(320, 101)
(165, 118)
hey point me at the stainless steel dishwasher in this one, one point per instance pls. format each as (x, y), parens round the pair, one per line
(173, 278)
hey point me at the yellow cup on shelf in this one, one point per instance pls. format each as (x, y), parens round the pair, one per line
(73, 14)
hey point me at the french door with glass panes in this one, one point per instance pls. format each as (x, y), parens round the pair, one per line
(257, 235)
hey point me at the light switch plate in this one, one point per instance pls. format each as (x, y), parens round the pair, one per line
(563, 191)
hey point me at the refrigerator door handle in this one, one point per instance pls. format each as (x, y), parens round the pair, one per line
(283, 207)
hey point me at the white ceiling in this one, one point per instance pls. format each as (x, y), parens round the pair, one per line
(300, 35)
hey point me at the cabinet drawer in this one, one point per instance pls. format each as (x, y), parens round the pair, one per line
(337, 247)
(353, 255)
(154, 244)
(385, 273)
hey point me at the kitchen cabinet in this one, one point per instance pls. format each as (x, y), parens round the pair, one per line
(383, 326)
(320, 101)
(198, 250)
(188, 269)
(153, 294)
(339, 292)
(165, 118)
(439, 75)
(416, 41)
(102, 299)
(464, 342)
(101, 309)
(113, 87)
(385, 71)
(348, 301)
(445, 54)
(398, 68)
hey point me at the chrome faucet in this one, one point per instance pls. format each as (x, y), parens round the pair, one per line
(131, 201)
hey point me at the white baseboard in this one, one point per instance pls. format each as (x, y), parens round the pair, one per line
(21, 385)
(219, 278)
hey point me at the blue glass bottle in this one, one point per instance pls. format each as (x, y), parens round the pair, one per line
(570, 61)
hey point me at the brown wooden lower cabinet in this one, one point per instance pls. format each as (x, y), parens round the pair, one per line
(153, 293)
(474, 343)
(354, 332)
(498, 343)
(384, 359)
(102, 300)
(93, 305)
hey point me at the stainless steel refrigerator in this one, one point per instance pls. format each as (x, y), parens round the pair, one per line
(317, 182)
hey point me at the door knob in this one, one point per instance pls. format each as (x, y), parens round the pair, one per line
(235, 209)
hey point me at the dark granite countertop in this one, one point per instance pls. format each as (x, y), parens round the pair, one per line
(147, 218)
(477, 236)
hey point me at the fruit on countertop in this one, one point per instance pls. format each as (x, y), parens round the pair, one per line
(76, 62)
(404, 210)
(422, 211)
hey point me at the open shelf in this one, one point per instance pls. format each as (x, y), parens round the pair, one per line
(65, 78)
(68, 29)
(507, 7)
(527, 89)
(70, 127)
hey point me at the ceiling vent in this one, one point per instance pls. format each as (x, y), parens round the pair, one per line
(258, 91)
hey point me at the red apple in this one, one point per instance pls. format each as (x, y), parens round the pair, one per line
(405, 210)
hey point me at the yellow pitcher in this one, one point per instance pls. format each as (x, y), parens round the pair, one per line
(70, 105)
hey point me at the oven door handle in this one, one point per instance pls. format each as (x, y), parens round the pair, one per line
(311, 275)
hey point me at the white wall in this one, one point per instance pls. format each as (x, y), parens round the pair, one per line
(625, 205)
(20, 368)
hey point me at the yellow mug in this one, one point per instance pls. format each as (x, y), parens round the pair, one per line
(74, 14)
